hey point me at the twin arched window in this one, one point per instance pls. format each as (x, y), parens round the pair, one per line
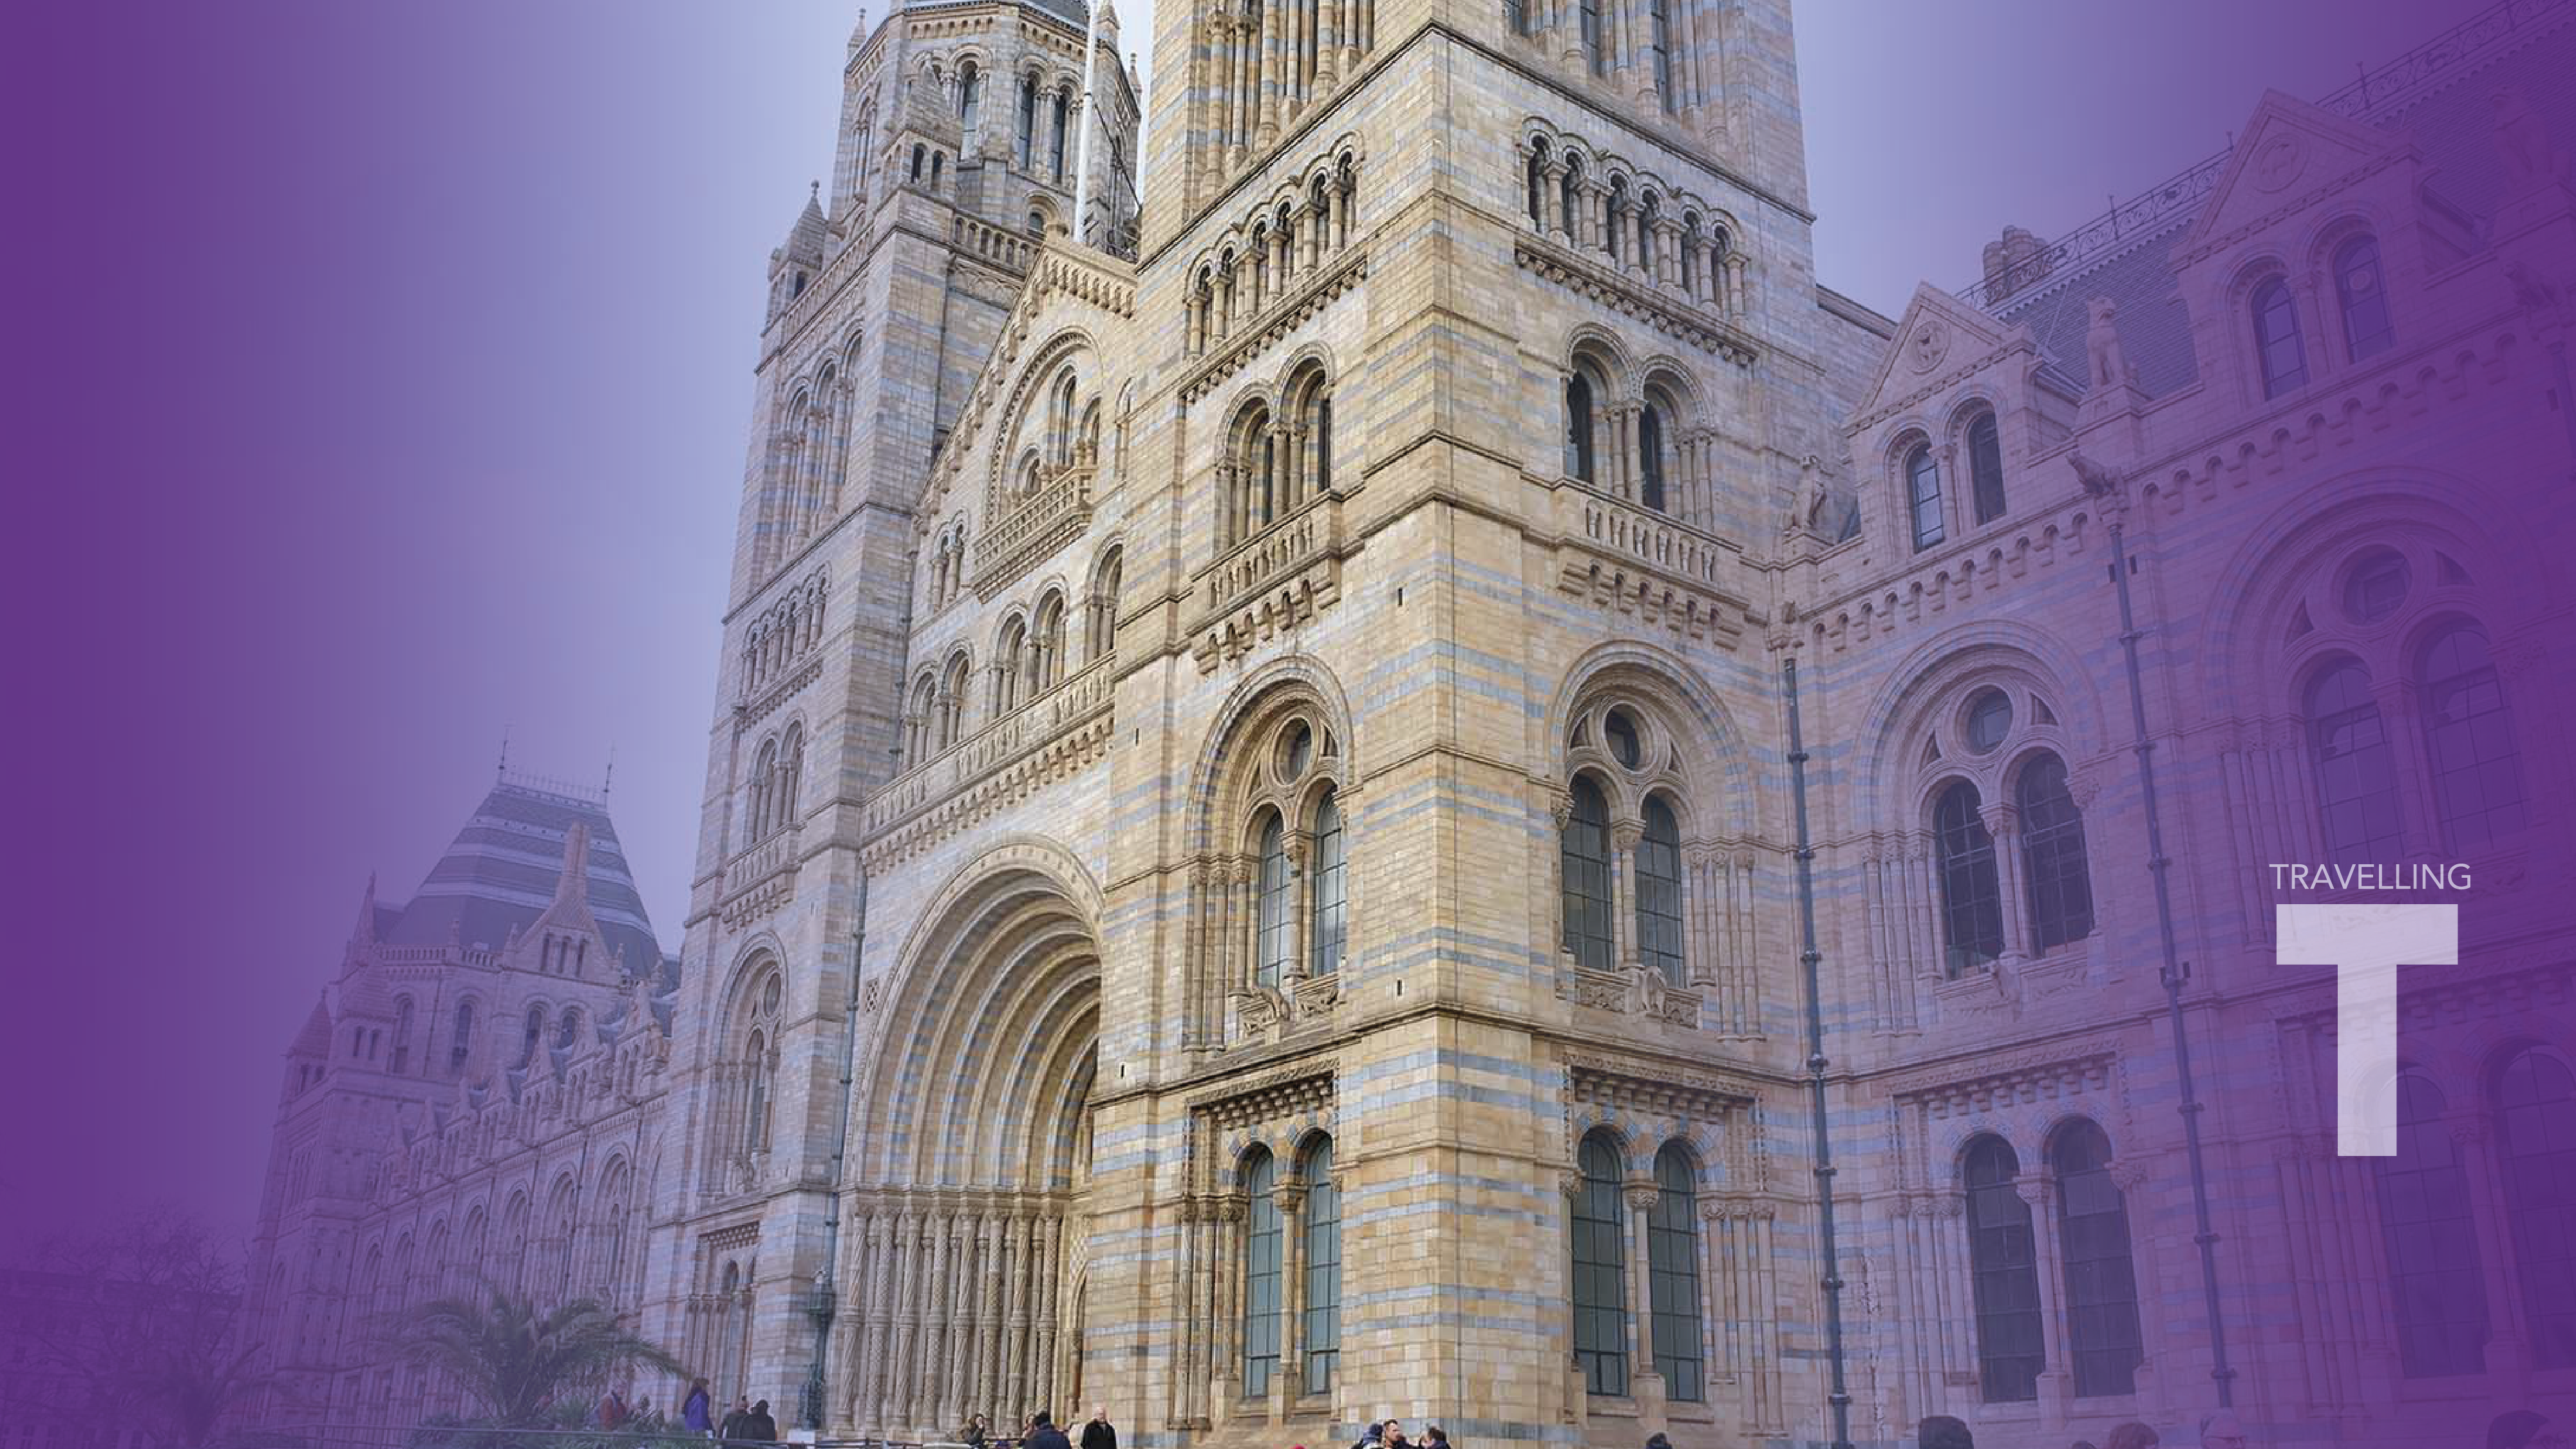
(1265, 1281)
(777, 774)
(1598, 1254)
(2100, 1311)
(1327, 875)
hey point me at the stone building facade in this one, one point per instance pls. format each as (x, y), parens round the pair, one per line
(1269, 786)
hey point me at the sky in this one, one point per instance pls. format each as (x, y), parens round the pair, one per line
(380, 388)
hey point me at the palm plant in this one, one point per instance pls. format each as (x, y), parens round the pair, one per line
(517, 1362)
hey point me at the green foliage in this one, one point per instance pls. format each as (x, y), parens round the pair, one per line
(524, 1368)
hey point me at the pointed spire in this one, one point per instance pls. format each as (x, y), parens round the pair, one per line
(572, 888)
(365, 934)
(502, 770)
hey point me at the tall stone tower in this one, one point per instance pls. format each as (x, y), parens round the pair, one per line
(958, 152)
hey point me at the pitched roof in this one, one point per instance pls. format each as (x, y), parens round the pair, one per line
(2435, 95)
(502, 869)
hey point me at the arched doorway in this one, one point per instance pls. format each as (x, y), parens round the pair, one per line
(971, 1158)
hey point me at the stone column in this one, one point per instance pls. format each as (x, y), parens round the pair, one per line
(1272, 52)
(1624, 837)
(2056, 1378)
(1551, 203)
(1191, 1324)
(1289, 1384)
(2003, 823)
(1668, 252)
(1645, 1384)
(2508, 1346)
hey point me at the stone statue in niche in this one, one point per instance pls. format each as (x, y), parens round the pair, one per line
(2530, 162)
(2110, 363)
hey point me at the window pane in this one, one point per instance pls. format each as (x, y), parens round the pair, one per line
(1324, 956)
(1600, 1271)
(1321, 1333)
(1261, 1277)
(2356, 773)
(2468, 740)
(2361, 285)
(2536, 1099)
(1672, 1264)
(1271, 957)
(1986, 467)
(1972, 898)
(1659, 894)
(2101, 1281)
(1923, 492)
(2276, 336)
(2052, 845)
(1586, 866)
(2004, 1275)
(2432, 1242)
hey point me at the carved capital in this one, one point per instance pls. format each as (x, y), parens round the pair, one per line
(1625, 834)
(1641, 1194)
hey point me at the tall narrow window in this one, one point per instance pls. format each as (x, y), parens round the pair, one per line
(1923, 495)
(1028, 119)
(1661, 12)
(1589, 17)
(1275, 907)
(2276, 338)
(1056, 143)
(2536, 1102)
(1325, 924)
(1324, 444)
(1672, 1282)
(534, 1031)
(402, 1036)
(1659, 893)
(2362, 287)
(1570, 201)
(1986, 467)
(1972, 908)
(2052, 855)
(755, 1117)
(1600, 1269)
(1320, 1335)
(970, 100)
(1650, 457)
(2356, 773)
(1586, 866)
(1516, 16)
(2468, 735)
(1260, 1275)
(1578, 427)
(2003, 1268)
(2432, 1238)
(1534, 177)
(2101, 1281)
(460, 1044)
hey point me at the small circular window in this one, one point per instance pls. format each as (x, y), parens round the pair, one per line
(1620, 729)
(2376, 587)
(1296, 750)
(1989, 720)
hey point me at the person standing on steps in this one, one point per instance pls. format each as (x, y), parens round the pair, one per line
(1099, 1433)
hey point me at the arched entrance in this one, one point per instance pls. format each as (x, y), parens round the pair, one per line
(971, 1158)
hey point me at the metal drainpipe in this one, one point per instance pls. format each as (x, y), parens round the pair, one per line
(826, 1289)
(1812, 959)
(2158, 865)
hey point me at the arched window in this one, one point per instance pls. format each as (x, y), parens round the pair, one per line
(1099, 630)
(1986, 467)
(2003, 1268)
(1650, 456)
(1260, 1274)
(1660, 37)
(568, 1027)
(1659, 893)
(2356, 774)
(1594, 59)
(1672, 1283)
(1534, 172)
(2432, 1237)
(970, 98)
(460, 1044)
(1323, 425)
(952, 700)
(2276, 338)
(535, 1030)
(1028, 119)
(402, 1035)
(2536, 1111)
(1046, 639)
(1321, 1333)
(2052, 855)
(2362, 287)
(1923, 495)
(1325, 926)
(1972, 906)
(1646, 235)
(764, 781)
(1600, 1268)
(1056, 154)
(755, 1117)
(1586, 867)
(791, 772)
(1578, 427)
(2101, 1282)
(916, 162)
(1277, 907)
(1570, 198)
(2468, 739)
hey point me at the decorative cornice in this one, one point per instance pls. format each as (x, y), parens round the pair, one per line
(1631, 298)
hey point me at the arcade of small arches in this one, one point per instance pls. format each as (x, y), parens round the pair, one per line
(784, 634)
(1658, 53)
(1064, 435)
(1044, 107)
(1272, 250)
(1638, 431)
(1031, 656)
(744, 1082)
(771, 791)
(1638, 225)
(1277, 453)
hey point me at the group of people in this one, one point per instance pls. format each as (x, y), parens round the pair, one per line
(1038, 1431)
(2514, 1429)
